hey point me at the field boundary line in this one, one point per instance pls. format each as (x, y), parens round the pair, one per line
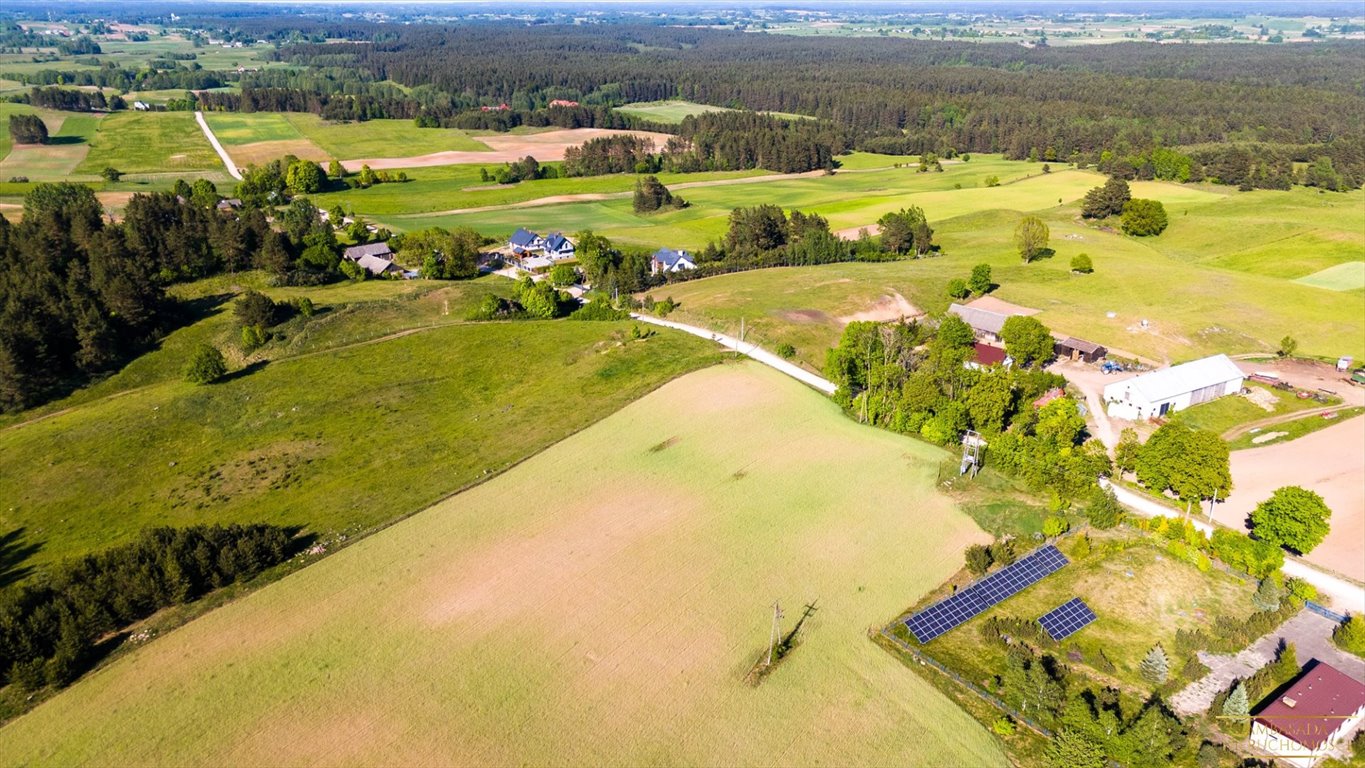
(745, 348)
(217, 146)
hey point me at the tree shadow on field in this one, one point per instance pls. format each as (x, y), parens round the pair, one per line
(243, 372)
(13, 552)
(60, 140)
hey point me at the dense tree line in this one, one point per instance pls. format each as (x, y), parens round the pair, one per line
(109, 76)
(50, 629)
(621, 153)
(729, 141)
(70, 100)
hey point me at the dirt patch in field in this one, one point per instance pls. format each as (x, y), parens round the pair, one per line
(1328, 462)
(853, 233)
(805, 316)
(1000, 306)
(892, 306)
(261, 152)
(506, 148)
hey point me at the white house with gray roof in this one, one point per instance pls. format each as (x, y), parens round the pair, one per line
(1172, 389)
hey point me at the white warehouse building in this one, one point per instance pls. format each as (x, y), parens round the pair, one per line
(1172, 389)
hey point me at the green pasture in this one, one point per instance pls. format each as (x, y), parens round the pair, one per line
(68, 144)
(342, 439)
(448, 187)
(1349, 276)
(601, 603)
(1227, 413)
(671, 111)
(1141, 596)
(150, 142)
(379, 138)
(237, 128)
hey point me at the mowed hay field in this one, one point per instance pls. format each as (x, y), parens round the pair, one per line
(257, 138)
(672, 111)
(68, 143)
(599, 604)
(150, 142)
(379, 138)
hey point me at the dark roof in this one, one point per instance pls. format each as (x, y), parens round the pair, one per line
(523, 238)
(373, 249)
(1081, 345)
(988, 355)
(556, 241)
(669, 257)
(1314, 706)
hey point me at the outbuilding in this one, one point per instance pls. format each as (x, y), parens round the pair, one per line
(1302, 724)
(1073, 348)
(1158, 393)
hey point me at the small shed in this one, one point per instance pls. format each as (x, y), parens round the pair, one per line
(1073, 348)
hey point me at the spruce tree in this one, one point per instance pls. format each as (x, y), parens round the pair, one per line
(1237, 704)
(1155, 668)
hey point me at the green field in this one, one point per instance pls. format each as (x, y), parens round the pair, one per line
(1349, 276)
(672, 111)
(599, 604)
(1293, 430)
(150, 142)
(69, 140)
(329, 432)
(1227, 413)
(235, 128)
(379, 138)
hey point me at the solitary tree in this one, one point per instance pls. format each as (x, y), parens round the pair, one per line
(27, 129)
(1081, 263)
(1292, 517)
(980, 281)
(1144, 217)
(978, 559)
(1030, 237)
(1107, 200)
(1288, 346)
(206, 365)
(1155, 668)
(1026, 340)
(1191, 462)
(111, 174)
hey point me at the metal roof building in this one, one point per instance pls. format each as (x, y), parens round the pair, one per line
(1172, 389)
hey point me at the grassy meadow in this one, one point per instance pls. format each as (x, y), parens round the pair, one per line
(600, 603)
(69, 140)
(376, 407)
(670, 111)
(379, 138)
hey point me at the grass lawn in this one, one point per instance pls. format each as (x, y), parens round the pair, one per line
(1227, 413)
(1141, 596)
(1293, 430)
(598, 604)
(379, 138)
(150, 142)
(1349, 276)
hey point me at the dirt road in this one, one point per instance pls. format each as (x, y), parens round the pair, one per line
(745, 348)
(217, 146)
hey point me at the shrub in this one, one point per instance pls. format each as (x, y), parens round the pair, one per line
(957, 288)
(1254, 558)
(1055, 526)
(206, 365)
(1268, 595)
(978, 559)
(1155, 667)
(1003, 726)
(1081, 263)
(786, 351)
(304, 306)
(1143, 217)
(1003, 552)
(255, 308)
(111, 173)
(1350, 635)
(253, 337)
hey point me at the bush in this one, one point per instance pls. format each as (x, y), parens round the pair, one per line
(1143, 217)
(1254, 558)
(1081, 263)
(206, 365)
(957, 288)
(599, 309)
(563, 275)
(1350, 635)
(1003, 726)
(978, 559)
(1055, 526)
(253, 337)
(1104, 511)
(255, 308)
(1155, 667)
(1003, 552)
(111, 173)
(786, 351)
(304, 306)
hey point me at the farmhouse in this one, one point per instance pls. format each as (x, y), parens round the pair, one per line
(558, 247)
(1078, 349)
(668, 260)
(1304, 722)
(1173, 389)
(533, 252)
(985, 356)
(525, 241)
(376, 258)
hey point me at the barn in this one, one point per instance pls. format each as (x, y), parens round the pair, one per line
(1172, 389)
(1072, 348)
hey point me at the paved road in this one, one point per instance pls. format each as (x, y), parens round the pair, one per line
(1343, 594)
(217, 147)
(746, 348)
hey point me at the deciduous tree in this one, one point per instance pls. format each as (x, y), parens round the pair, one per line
(1142, 218)
(1293, 517)
(1030, 237)
(1027, 340)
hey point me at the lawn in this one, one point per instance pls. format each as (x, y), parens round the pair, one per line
(598, 604)
(1227, 413)
(339, 439)
(1349, 276)
(150, 142)
(1141, 596)
(379, 138)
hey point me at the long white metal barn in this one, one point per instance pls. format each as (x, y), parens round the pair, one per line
(1172, 389)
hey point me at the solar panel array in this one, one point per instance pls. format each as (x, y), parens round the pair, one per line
(1067, 619)
(973, 600)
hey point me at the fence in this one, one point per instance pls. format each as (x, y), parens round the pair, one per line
(955, 677)
(1323, 610)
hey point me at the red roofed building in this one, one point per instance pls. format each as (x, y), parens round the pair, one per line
(1302, 724)
(1049, 396)
(984, 356)
(563, 103)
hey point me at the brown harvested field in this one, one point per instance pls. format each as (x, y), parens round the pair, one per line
(505, 148)
(599, 604)
(262, 152)
(1330, 462)
(43, 162)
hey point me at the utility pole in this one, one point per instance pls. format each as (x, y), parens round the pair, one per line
(1212, 502)
(777, 630)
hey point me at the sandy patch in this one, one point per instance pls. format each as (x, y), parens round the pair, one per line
(889, 307)
(1329, 462)
(261, 152)
(1267, 437)
(853, 233)
(505, 148)
(805, 316)
(1262, 398)
(1000, 306)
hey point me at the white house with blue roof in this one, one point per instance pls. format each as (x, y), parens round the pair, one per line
(525, 241)
(667, 260)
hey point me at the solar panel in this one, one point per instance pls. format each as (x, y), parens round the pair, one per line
(1067, 619)
(976, 598)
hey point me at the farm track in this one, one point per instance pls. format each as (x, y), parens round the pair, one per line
(1271, 421)
(217, 146)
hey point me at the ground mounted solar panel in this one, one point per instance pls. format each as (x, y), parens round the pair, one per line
(1067, 619)
(976, 598)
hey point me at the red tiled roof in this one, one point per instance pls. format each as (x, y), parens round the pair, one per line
(988, 355)
(1048, 396)
(1321, 698)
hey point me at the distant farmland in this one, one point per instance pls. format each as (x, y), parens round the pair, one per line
(599, 604)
